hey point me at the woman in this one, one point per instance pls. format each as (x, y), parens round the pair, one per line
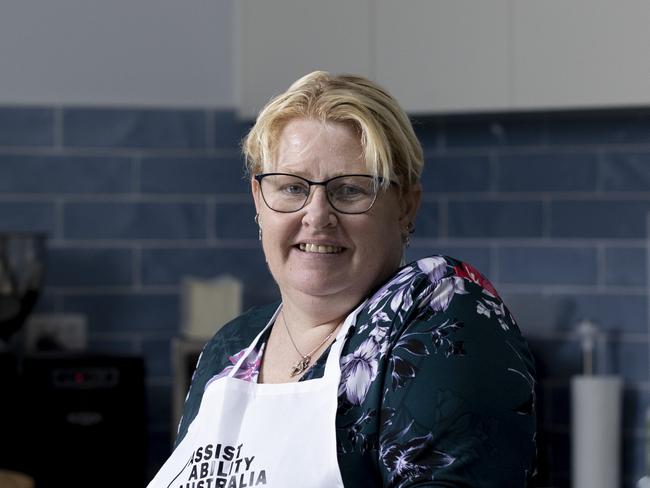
(367, 373)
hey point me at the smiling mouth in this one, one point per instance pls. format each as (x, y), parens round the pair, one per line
(320, 249)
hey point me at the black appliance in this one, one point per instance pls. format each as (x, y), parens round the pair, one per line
(83, 421)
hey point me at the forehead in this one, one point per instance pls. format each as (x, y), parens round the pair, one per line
(312, 146)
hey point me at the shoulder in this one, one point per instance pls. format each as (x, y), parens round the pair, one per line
(453, 327)
(239, 332)
(427, 287)
(442, 308)
(428, 312)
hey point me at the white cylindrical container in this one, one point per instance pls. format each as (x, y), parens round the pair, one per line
(596, 431)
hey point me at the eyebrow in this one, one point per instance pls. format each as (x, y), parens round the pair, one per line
(304, 175)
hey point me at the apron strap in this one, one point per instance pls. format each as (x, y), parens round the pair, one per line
(250, 348)
(332, 366)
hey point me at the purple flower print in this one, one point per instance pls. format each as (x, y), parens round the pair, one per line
(487, 307)
(441, 336)
(413, 458)
(439, 297)
(249, 369)
(358, 371)
(434, 267)
(399, 283)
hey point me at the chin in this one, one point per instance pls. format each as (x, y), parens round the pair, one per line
(336, 280)
(320, 288)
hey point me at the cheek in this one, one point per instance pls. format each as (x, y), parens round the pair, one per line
(277, 231)
(387, 224)
(382, 240)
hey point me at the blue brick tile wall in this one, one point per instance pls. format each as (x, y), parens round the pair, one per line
(625, 266)
(235, 220)
(69, 267)
(550, 206)
(593, 128)
(602, 217)
(168, 266)
(26, 126)
(51, 174)
(138, 314)
(427, 223)
(137, 220)
(557, 311)
(547, 172)
(26, 215)
(548, 265)
(122, 128)
(490, 131)
(490, 218)
(210, 175)
(227, 130)
(457, 173)
(626, 171)
(631, 360)
(478, 256)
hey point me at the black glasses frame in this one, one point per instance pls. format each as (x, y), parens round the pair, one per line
(259, 177)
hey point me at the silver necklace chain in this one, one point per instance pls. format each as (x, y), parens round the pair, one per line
(303, 364)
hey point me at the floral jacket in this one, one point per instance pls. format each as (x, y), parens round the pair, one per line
(437, 383)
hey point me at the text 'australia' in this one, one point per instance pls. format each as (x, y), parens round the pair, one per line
(222, 466)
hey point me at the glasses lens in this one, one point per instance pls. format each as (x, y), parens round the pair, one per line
(284, 193)
(347, 194)
(352, 194)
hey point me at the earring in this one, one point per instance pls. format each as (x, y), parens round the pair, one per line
(259, 226)
(406, 236)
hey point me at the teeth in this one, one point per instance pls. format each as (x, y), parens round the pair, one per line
(320, 249)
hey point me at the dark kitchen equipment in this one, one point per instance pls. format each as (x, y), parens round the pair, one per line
(22, 269)
(22, 265)
(83, 421)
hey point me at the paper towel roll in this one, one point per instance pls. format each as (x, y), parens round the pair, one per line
(595, 431)
(208, 304)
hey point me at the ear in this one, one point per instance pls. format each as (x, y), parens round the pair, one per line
(257, 194)
(410, 203)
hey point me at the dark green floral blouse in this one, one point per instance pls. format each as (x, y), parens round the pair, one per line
(437, 383)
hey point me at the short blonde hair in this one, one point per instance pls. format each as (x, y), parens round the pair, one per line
(391, 149)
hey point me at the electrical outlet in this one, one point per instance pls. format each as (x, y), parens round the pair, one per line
(56, 332)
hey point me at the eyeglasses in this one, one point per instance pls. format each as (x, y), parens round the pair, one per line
(348, 194)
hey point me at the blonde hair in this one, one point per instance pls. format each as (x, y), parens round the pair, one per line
(391, 149)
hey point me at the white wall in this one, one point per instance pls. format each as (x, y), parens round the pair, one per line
(116, 52)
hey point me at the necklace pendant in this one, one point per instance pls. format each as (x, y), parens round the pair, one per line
(301, 366)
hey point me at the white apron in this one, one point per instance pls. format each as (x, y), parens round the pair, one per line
(269, 435)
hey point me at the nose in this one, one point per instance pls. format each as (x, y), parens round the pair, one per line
(318, 212)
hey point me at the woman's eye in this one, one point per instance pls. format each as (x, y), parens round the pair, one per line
(347, 191)
(295, 189)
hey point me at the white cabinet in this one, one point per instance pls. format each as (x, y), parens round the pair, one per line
(281, 40)
(444, 56)
(580, 53)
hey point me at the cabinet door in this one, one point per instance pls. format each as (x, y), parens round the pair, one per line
(280, 40)
(581, 53)
(444, 55)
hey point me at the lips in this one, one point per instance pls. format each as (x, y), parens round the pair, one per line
(319, 248)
